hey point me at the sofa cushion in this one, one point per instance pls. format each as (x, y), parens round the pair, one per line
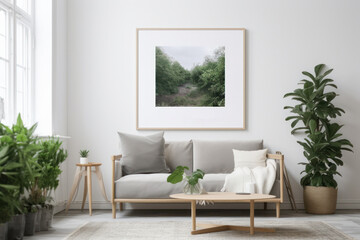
(143, 154)
(155, 186)
(217, 156)
(250, 159)
(179, 153)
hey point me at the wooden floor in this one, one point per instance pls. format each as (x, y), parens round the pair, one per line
(348, 221)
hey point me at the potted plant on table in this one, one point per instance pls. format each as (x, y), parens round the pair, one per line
(322, 145)
(84, 156)
(192, 184)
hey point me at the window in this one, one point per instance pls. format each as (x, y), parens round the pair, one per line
(16, 59)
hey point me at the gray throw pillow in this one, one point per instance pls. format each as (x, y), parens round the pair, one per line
(143, 154)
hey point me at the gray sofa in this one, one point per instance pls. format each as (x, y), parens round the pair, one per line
(215, 158)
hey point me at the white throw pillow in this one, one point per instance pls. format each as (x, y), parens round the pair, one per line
(250, 159)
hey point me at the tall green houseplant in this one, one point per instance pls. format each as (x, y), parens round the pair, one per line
(8, 172)
(20, 158)
(314, 115)
(50, 157)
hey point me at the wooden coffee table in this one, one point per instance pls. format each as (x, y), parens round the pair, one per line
(223, 197)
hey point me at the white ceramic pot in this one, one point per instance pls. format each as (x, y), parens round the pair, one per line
(84, 160)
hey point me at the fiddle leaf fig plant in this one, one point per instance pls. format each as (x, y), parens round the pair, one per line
(313, 115)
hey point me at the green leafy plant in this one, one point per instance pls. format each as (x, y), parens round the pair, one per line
(50, 157)
(84, 153)
(179, 174)
(314, 113)
(20, 166)
(7, 189)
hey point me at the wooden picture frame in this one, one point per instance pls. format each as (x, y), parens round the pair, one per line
(223, 112)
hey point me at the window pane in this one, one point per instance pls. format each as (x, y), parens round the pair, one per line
(20, 75)
(4, 78)
(2, 22)
(3, 34)
(23, 84)
(20, 105)
(20, 44)
(3, 73)
(24, 5)
(2, 46)
(15, 54)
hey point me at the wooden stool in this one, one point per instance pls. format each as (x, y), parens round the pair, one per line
(87, 183)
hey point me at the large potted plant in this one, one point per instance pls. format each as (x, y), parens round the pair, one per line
(21, 155)
(50, 157)
(313, 115)
(7, 190)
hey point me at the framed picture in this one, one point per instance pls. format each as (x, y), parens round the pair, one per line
(190, 79)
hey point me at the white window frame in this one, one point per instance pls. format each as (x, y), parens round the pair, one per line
(16, 14)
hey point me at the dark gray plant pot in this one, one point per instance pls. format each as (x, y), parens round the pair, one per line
(3, 231)
(50, 215)
(30, 220)
(44, 219)
(16, 227)
(38, 220)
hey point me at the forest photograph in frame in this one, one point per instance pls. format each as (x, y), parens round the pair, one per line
(190, 79)
(191, 76)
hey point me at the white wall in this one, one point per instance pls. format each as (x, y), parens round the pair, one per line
(283, 39)
(59, 91)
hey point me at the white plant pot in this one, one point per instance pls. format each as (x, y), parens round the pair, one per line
(84, 160)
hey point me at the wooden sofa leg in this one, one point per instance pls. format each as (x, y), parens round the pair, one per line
(278, 209)
(121, 206)
(265, 205)
(114, 210)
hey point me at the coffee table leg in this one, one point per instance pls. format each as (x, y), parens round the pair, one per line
(252, 217)
(193, 215)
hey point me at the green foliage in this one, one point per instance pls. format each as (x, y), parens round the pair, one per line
(50, 156)
(26, 166)
(19, 166)
(169, 74)
(8, 173)
(179, 173)
(209, 79)
(29, 205)
(84, 153)
(194, 178)
(312, 115)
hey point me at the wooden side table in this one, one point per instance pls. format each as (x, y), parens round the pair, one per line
(87, 183)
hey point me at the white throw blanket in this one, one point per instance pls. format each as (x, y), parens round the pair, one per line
(263, 177)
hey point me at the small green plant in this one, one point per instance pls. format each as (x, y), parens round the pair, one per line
(179, 174)
(84, 153)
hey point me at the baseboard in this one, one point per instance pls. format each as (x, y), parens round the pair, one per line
(343, 204)
(59, 206)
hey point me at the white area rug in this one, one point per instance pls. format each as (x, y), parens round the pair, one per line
(181, 230)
